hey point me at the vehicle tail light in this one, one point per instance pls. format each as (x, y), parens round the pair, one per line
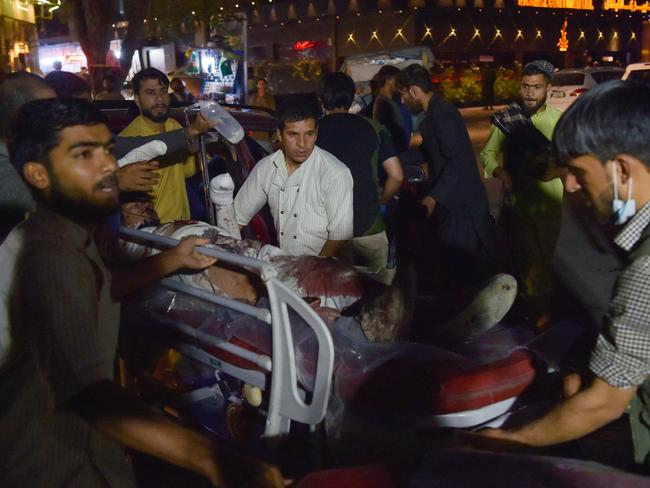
(577, 92)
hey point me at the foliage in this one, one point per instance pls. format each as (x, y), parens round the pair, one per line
(307, 69)
(463, 89)
(506, 86)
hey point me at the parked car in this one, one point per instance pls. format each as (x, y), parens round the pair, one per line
(568, 84)
(637, 72)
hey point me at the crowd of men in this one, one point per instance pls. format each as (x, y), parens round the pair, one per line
(66, 420)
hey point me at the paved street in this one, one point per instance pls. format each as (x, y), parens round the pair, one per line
(478, 126)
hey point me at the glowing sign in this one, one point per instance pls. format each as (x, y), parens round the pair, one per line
(302, 45)
(621, 5)
(573, 4)
(563, 42)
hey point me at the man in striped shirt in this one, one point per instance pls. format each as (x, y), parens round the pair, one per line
(308, 190)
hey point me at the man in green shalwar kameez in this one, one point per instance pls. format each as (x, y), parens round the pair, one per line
(522, 132)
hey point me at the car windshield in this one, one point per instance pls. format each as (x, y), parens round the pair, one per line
(642, 75)
(567, 79)
(603, 76)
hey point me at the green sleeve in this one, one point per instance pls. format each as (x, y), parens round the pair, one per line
(490, 153)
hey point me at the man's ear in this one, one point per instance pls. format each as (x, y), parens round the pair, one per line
(626, 166)
(278, 134)
(36, 175)
(414, 91)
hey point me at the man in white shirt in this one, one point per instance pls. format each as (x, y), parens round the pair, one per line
(308, 190)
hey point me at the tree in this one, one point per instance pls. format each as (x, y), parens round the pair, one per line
(91, 23)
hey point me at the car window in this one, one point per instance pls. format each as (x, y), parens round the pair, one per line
(603, 76)
(567, 79)
(642, 75)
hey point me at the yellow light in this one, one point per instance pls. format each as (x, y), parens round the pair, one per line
(236, 5)
(519, 35)
(582, 35)
(539, 34)
(600, 35)
(350, 38)
(193, 12)
(477, 33)
(252, 3)
(374, 35)
(498, 34)
(427, 33)
(452, 32)
(633, 35)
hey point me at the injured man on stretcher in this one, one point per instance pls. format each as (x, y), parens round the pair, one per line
(334, 289)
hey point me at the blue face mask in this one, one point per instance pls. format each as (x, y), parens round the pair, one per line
(622, 211)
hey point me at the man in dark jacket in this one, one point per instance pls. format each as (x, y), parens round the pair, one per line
(456, 205)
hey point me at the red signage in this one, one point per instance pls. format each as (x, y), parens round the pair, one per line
(302, 45)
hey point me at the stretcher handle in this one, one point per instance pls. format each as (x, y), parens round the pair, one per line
(167, 242)
(259, 313)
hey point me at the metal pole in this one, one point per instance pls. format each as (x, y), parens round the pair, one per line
(259, 313)
(167, 242)
(203, 162)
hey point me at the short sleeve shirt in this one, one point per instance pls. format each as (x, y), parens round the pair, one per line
(362, 147)
(309, 207)
(622, 354)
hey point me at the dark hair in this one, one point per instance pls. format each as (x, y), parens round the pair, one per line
(67, 84)
(16, 90)
(36, 127)
(110, 77)
(531, 70)
(298, 107)
(611, 119)
(336, 91)
(415, 75)
(148, 74)
(262, 79)
(384, 74)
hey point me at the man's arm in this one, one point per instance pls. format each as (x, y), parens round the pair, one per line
(121, 417)
(340, 215)
(137, 275)
(176, 140)
(251, 197)
(395, 177)
(331, 248)
(575, 417)
(489, 157)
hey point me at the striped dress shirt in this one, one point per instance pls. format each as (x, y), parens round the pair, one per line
(309, 207)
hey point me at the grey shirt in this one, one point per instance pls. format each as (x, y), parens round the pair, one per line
(15, 198)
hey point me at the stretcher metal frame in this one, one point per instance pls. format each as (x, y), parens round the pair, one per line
(286, 398)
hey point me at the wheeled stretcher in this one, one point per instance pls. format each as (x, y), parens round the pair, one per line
(299, 361)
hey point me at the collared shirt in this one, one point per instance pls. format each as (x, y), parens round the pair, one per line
(169, 194)
(309, 207)
(64, 328)
(622, 354)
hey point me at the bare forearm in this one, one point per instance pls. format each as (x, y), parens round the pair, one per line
(331, 248)
(140, 274)
(391, 188)
(575, 417)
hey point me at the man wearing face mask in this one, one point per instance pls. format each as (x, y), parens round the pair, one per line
(533, 191)
(602, 140)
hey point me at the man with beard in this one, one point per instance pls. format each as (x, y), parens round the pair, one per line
(603, 141)
(456, 205)
(533, 200)
(151, 94)
(62, 417)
